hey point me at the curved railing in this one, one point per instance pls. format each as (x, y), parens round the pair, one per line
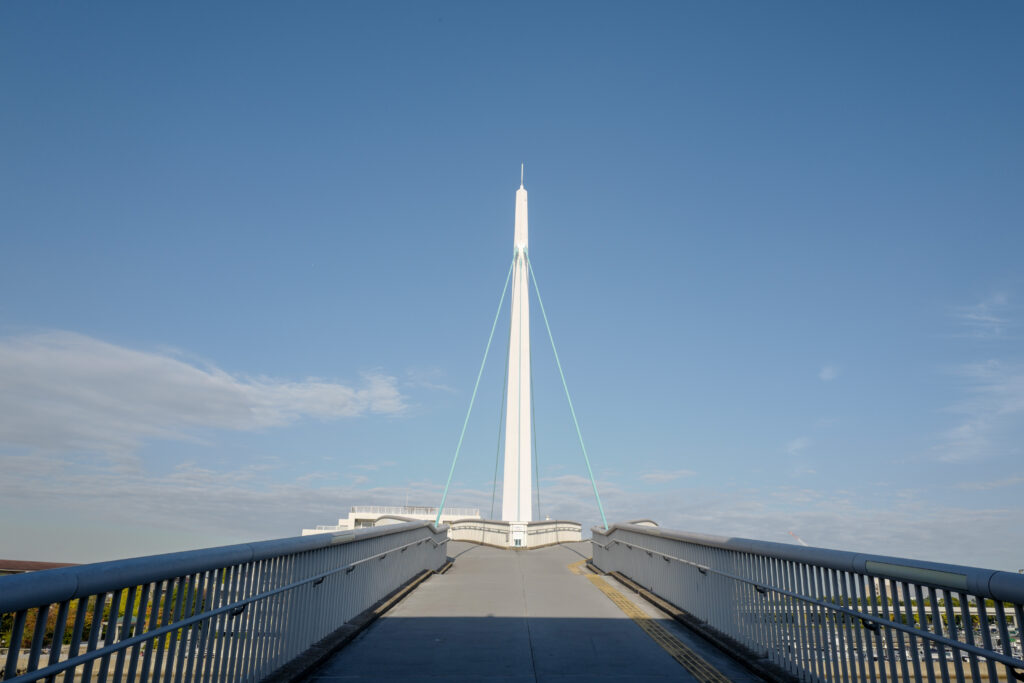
(830, 615)
(235, 613)
(500, 533)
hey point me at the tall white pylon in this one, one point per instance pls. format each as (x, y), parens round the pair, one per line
(517, 491)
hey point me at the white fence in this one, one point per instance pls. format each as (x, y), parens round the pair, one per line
(504, 534)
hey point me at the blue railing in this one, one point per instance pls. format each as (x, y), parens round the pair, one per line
(235, 613)
(830, 615)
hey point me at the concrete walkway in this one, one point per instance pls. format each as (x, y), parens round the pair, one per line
(501, 615)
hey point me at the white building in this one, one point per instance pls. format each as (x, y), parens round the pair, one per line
(360, 516)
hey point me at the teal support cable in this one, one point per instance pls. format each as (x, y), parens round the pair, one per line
(565, 385)
(476, 386)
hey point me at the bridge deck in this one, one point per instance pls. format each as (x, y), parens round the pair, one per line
(500, 615)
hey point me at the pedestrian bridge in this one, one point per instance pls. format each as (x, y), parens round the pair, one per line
(405, 602)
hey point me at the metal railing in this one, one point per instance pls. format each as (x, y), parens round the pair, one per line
(500, 533)
(234, 613)
(830, 615)
(413, 510)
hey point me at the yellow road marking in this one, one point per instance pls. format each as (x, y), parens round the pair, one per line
(577, 567)
(691, 661)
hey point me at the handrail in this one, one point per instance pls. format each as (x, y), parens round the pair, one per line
(507, 525)
(986, 583)
(232, 608)
(763, 587)
(233, 612)
(823, 614)
(22, 591)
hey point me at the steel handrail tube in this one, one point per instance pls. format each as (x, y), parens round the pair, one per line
(31, 589)
(988, 583)
(835, 607)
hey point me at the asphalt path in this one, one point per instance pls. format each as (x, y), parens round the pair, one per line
(517, 616)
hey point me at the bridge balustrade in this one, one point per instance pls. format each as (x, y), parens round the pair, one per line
(830, 615)
(498, 533)
(234, 613)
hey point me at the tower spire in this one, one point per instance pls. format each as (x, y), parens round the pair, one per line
(517, 489)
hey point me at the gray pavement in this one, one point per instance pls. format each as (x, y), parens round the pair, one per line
(501, 615)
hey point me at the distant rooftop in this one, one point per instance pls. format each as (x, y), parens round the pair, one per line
(21, 566)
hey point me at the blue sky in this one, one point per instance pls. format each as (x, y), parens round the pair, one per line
(250, 254)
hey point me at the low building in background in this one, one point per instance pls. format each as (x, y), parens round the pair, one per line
(362, 516)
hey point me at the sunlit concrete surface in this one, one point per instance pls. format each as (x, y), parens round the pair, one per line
(502, 615)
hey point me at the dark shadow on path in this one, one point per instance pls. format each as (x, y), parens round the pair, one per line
(502, 649)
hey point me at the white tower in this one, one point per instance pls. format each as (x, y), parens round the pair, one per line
(517, 492)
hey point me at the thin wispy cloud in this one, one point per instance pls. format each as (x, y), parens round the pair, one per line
(798, 445)
(374, 466)
(910, 525)
(992, 484)
(429, 380)
(902, 523)
(989, 413)
(66, 392)
(172, 512)
(986, 319)
(661, 476)
(828, 373)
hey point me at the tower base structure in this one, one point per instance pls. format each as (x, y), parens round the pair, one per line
(515, 535)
